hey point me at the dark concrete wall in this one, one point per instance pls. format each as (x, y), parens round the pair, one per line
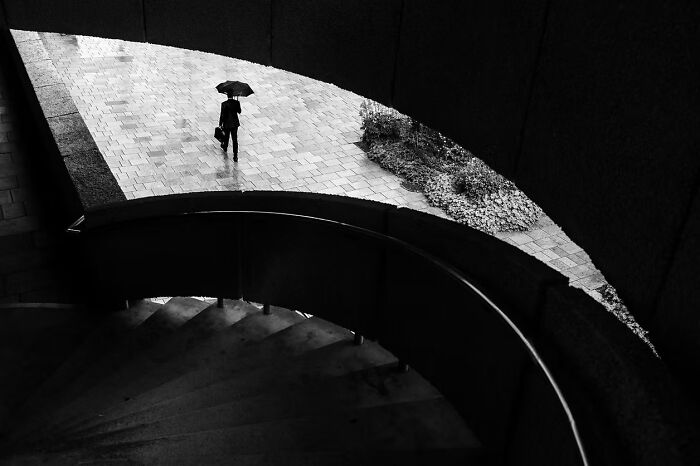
(592, 109)
(466, 68)
(351, 43)
(611, 137)
(237, 28)
(102, 18)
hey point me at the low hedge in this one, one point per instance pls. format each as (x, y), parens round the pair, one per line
(451, 177)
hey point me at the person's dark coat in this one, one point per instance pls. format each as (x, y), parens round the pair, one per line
(229, 114)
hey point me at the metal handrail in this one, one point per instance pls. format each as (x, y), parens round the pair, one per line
(73, 227)
(451, 271)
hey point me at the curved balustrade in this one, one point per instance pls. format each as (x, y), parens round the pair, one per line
(468, 312)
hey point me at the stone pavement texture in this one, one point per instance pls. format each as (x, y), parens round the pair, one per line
(152, 111)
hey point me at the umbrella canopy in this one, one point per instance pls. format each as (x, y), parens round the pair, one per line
(238, 88)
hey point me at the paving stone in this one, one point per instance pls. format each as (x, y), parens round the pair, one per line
(568, 262)
(23, 36)
(551, 254)
(8, 182)
(32, 51)
(543, 257)
(55, 100)
(19, 225)
(71, 134)
(557, 264)
(14, 210)
(43, 73)
(546, 243)
(92, 178)
(5, 196)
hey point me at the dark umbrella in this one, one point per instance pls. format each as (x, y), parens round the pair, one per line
(238, 88)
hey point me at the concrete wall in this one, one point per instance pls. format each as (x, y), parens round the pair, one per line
(627, 407)
(592, 109)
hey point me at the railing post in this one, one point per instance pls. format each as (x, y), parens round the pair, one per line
(359, 339)
(126, 304)
(220, 303)
(266, 309)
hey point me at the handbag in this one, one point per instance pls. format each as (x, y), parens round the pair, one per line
(219, 134)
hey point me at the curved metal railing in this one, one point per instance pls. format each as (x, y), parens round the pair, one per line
(438, 264)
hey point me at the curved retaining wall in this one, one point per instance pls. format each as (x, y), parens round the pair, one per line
(626, 405)
(592, 109)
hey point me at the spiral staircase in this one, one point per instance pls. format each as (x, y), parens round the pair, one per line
(189, 382)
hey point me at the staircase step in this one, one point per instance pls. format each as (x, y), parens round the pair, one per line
(33, 343)
(426, 457)
(113, 329)
(202, 326)
(190, 383)
(413, 426)
(161, 323)
(367, 388)
(187, 338)
(337, 359)
(303, 336)
(250, 329)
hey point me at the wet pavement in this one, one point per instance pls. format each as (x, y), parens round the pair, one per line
(152, 110)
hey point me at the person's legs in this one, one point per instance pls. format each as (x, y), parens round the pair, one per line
(234, 143)
(224, 144)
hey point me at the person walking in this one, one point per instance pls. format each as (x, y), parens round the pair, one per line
(229, 123)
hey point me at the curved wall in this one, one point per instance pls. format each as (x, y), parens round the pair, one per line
(592, 110)
(627, 408)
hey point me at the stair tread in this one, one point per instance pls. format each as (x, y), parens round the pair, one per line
(250, 330)
(114, 327)
(185, 339)
(245, 331)
(307, 335)
(336, 359)
(410, 426)
(303, 335)
(190, 383)
(427, 457)
(164, 321)
(359, 389)
(33, 344)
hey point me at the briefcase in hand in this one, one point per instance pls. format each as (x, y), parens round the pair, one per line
(219, 134)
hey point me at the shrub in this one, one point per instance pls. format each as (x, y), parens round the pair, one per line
(614, 304)
(503, 210)
(378, 124)
(450, 176)
(475, 180)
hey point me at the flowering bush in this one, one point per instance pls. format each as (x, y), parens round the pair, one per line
(476, 180)
(378, 124)
(450, 176)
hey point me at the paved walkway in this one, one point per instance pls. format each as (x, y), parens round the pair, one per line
(152, 111)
